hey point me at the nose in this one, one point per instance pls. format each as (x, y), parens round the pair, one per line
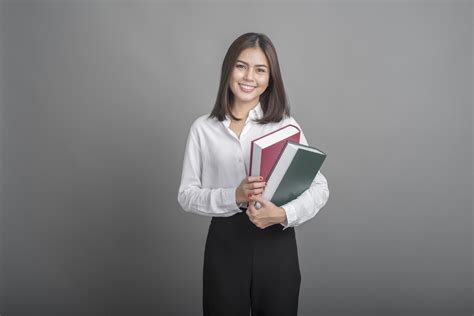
(248, 75)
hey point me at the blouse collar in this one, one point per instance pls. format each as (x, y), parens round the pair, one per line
(254, 114)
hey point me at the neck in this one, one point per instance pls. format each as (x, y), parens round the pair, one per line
(241, 110)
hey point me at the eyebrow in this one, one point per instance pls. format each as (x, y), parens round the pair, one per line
(255, 65)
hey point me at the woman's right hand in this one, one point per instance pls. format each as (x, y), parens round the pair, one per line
(249, 186)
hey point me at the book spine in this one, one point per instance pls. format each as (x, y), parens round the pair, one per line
(251, 157)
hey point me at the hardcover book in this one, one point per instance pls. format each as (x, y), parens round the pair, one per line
(293, 172)
(264, 151)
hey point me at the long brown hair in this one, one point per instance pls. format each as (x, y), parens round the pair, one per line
(273, 100)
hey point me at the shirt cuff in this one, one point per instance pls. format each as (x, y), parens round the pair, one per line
(290, 216)
(243, 205)
(229, 196)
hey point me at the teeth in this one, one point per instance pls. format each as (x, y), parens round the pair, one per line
(245, 87)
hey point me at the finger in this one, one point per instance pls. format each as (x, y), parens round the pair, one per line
(251, 208)
(256, 191)
(256, 185)
(254, 179)
(249, 214)
(251, 203)
(257, 205)
(260, 199)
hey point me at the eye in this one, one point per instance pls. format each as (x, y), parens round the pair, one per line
(239, 66)
(261, 70)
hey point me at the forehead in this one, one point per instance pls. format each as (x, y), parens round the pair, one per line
(253, 56)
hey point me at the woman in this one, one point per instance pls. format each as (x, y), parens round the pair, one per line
(250, 257)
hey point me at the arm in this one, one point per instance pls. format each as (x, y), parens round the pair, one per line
(191, 196)
(308, 204)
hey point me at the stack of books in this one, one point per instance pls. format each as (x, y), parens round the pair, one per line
(288, 167)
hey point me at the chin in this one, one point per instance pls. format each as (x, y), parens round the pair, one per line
(247, 99)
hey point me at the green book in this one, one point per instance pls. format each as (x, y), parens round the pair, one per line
(293, 172)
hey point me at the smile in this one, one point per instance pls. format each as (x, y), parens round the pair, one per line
(246, 88)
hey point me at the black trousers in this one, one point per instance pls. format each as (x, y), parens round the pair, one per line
(247, 268)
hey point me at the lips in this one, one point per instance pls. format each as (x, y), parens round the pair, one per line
(246, 88)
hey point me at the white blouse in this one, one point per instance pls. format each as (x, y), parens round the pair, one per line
(216, 161)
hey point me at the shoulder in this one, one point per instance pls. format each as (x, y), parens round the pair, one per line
(203, 122)
(204, 125)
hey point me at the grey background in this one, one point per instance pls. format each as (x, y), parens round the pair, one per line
(97, 100)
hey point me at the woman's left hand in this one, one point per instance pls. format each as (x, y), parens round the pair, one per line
(268, 214)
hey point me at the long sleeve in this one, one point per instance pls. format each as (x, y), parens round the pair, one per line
(308, 204)
(191, 196)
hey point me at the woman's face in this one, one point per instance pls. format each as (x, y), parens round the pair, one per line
(250, 76)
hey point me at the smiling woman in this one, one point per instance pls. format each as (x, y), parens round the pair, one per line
(251, 257)
(251, 73)
(249, 78)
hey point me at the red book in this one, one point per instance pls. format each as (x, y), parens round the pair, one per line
(265, 150)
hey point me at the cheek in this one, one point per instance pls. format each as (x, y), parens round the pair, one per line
(264, 82)
(232, 80)
(235, 75)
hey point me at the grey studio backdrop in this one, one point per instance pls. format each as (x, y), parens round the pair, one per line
(97, 100)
